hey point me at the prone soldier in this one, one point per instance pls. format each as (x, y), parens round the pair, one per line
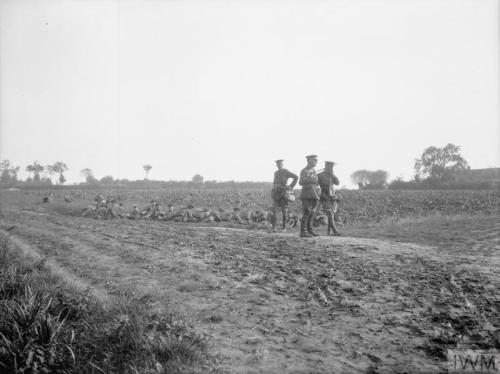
(178, 215)
(259, 216)
(112, 209)
(292, 219)
(236, 215)
(134, 214)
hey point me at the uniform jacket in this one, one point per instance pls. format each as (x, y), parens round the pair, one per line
(279, 184)
(309, 182)
(282, 176)
(326, 181)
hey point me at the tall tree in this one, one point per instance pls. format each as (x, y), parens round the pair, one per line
(59, 168)
(108, 179)
(197, 178)
(361, 178)
(367, 179)
(8, 173)
(147, 168)
(439, 163)
(378, 179)
(4, 172)
(88, 174)
(36, 169)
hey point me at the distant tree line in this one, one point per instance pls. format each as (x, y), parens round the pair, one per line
(39, 175)
(437, 168)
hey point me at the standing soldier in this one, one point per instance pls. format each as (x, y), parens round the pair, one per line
(309, 196)
(279, 193)
(326, 181)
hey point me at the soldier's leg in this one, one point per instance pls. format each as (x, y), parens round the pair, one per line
(334, 214)
(84, 214)
(248, 216)
(330, 222)
(273, 215)
(284, 214)
(314, 204)
(237, 218)
(306, 212)
(112, 213)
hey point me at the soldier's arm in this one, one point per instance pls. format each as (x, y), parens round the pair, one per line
(308, 178)
(303, 178)
(294, 178)
(335, 180)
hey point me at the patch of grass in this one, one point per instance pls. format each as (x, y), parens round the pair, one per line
(46, 328)
(188, 287)
(460, 233)
(69, 209)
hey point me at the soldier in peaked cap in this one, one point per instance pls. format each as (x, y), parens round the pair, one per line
(309, 196)
(326, 180)
(279, 193)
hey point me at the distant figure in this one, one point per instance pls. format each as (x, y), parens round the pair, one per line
(309, 196)
(153, 211)
(200, 215)
(280, 193)
(99, 201)
(236, 215)
(258, 216)
(48, 198)
(292, 219)
(320, 219)
(134, 214)
(328, 198)
(178, 215)
(112, 210)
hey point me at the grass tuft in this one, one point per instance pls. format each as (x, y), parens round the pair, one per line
(45, 328)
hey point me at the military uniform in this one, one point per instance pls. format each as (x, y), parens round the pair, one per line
(279, 192)
(309, 196)
(134, 214)
(280, 187)
(327, 180)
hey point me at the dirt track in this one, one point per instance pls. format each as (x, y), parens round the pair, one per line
(276, 304)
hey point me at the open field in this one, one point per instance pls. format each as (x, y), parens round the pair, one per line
(355, 207)
(386, 297)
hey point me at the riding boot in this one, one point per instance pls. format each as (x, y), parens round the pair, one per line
(303, 223)
(273, 221)
(283, 224)
(331, 225)
(335, 231)
(309, 225)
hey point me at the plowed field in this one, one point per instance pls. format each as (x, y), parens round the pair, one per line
(273, 303)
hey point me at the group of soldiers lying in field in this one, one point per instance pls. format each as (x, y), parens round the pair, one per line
(113, 209)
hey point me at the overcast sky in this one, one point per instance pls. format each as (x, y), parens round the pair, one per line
(223, 88)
